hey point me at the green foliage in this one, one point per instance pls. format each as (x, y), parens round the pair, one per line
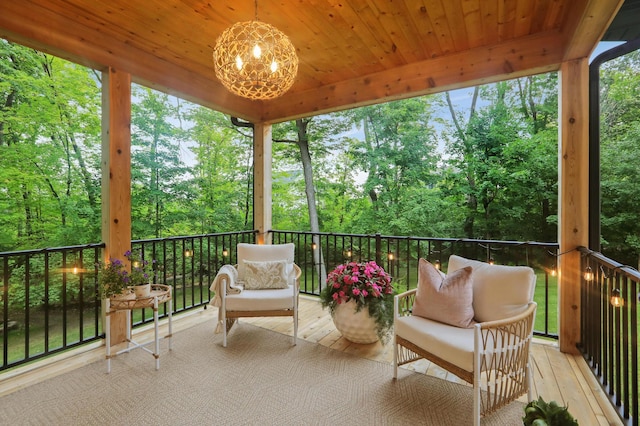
(115, 276)
(428, 166)
(620, 164)
(541, 413)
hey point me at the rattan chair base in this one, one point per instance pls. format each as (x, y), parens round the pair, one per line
(420, 353)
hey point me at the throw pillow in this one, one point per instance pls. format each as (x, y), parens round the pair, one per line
(446, 299)
(265, 275)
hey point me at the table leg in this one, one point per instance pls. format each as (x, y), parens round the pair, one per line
(156, 353)
(170, 326)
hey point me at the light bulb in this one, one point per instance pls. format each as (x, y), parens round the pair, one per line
(257, 52)
(274, 66)
(616, 299)
(239, 62)
(588, 274)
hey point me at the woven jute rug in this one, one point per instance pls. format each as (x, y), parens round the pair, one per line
(260, 378)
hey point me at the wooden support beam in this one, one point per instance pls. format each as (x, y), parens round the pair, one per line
(262, 195)
(116, 176)
(573, 209)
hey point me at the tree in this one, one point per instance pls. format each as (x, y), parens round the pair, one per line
(223, 173)
(398, 154)
(620, 132)
(49, 137)
(160, 187)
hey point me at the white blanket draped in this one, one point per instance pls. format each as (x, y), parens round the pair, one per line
(228, 275)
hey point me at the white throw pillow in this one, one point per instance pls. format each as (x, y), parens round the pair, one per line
(265, 252)
(265, 275)
(499, 291)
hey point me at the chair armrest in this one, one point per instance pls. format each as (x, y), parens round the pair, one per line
(529, 312)
(298, 272)
(506, 334)
(403, 303)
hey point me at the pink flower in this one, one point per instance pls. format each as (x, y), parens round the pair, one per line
(356, 291)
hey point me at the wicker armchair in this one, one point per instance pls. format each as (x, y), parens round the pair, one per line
(264, 264)
(492, 355)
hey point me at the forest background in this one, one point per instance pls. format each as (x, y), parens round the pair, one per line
(481, 166)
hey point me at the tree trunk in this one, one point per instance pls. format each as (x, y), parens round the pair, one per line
(303, 144)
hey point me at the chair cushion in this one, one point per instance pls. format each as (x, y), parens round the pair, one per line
(499, 291)
(266, 252)
(453, 344)
(261, 300)
(265, 275)
(446, 299)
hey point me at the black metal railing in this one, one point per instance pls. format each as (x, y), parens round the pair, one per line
(318, 253)
(49, 304)
(610, 293)
(51, 301)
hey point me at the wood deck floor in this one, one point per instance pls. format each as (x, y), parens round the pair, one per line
(557, 376)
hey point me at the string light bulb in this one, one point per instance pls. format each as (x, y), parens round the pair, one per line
(588, 274)
(616, 298)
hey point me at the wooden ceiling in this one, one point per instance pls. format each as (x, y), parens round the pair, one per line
(351, 52)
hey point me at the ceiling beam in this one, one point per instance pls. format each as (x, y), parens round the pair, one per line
(589, 27)
(525, 56)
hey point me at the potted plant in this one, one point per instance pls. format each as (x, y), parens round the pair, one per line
(541, 413)
(115, 279)
(359, 296)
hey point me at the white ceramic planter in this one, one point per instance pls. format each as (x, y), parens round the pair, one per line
(357, 327)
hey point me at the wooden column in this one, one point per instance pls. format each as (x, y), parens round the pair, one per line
(262, 195)
(116, 176)
(573, 175)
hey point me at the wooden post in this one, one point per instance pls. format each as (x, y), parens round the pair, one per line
(262, 195)
(573, 209)
(116, 176)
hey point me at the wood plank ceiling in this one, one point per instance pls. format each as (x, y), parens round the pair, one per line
(351, 53)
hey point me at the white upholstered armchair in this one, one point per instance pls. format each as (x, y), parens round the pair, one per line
(265, 282)
(476, 322)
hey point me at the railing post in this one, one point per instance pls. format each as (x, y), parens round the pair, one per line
(378, 249)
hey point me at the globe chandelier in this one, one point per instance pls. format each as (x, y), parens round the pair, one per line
(255, 60)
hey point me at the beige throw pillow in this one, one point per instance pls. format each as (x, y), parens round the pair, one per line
(444, 299)
(265, 275)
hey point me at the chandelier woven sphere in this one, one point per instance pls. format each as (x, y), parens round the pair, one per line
(255, 60)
